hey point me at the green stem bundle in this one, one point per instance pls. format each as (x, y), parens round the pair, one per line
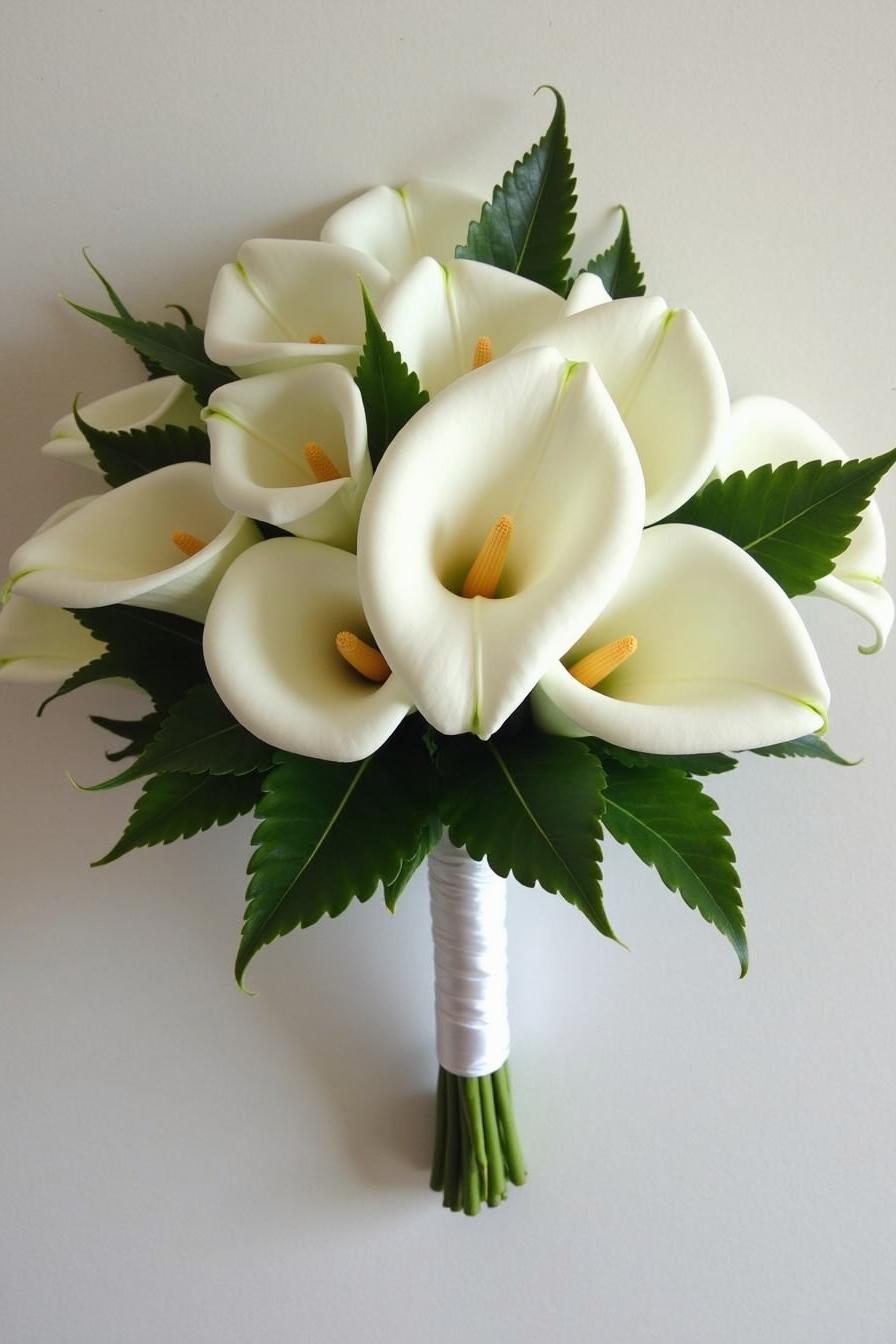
(477, 1148)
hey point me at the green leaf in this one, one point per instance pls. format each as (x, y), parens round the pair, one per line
(138, 733)
(793, 520)
(179, 350)
(390, 392)
(124, 455)
(701, 763)
(811, 745)
(531, 805)
(673, 826)
(618, 266)
(330, 833)
(527, 227)
(153, 369)
(198, 736)
(429, 838)
(174, 807)
(160, 652)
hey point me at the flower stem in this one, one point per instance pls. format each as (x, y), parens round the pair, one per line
(476, 1148)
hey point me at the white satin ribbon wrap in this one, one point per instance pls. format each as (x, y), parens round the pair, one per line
(469, 905)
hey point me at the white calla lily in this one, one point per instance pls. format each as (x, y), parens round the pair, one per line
(156, 401)
(529, 439)
(398, 226)
(270, 648)
(768, 430)
(42, 644)
(121, 547)
(286, 302)
(445, 320)
(291, 448)
(587, 291)
(723, 662)
(665, 378)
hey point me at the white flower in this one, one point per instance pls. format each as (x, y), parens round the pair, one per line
(156, 401)
(42, 644)
(271, 649)
(399, 226)
(285, 302)
(291, 448)
(767, 430)
(163, 540)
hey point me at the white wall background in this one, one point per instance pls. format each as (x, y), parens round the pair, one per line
(711, 1160)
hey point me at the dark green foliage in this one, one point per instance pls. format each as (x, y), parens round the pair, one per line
(390, 391)
(618, 266)
(127, 454)
(174, 807)
(811, 746)
(701, 763)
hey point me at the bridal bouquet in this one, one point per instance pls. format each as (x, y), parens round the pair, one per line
(427, 548)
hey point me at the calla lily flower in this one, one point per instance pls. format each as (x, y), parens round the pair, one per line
(291, 448)
(767, 430)
(41, 644)
(665, 378)
(722, 660)
(286, 302)
(163, 540)
(446, 320)
(587, 291)
(157, 401)
(399, 226)
(271, 649)
(530, 457)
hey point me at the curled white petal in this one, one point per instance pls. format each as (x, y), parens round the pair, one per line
(270, 648)
(723, 662)
(587, 291)
(665, 378)
(258, 428)
(286, 302)
(437, 314)
(156, 401)
(769, 430)
(119, 548)
(42, 644)
(531, 437)
(398, 226)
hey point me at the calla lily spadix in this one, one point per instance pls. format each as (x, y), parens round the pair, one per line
(42, 644)
(286, 302)
(291, 448)
(438, 315)
(723, 661)
(270, 646)
(398, 226)
(529, 442)
(156, 401)
(163, 540)
(665, 378)
(768, 430)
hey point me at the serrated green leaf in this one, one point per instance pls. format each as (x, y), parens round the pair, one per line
(674, 827)
(429, 838)
(153, 369)
(700, 763)
(531, 805)
(793, 520)
(618, 267)
(138, 733)
(391, 393)
(330, 833)
(527, 227)
(198, 736)
(179, 350)
(162, 653)
(811, 746)
(174, 807)
(124, 455)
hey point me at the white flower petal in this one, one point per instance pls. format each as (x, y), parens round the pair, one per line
(270, 648)
(666, 380)
(531, 437)
(258, 428)
(399, 226)
(267, 306)
(723, 662)
(766, 430)
(156, 401)
(118, 547)
(588, 291)
(42, 644)
(436, 315)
